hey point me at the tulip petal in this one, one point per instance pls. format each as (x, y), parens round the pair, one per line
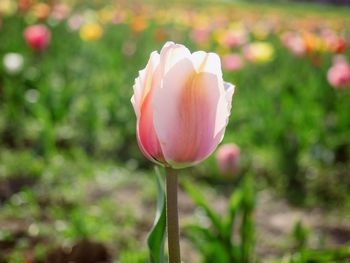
(170, 54)
(207, 62)
(229, 90)
(146, 135)
(190, 114)
(143, 90)
(144, 82)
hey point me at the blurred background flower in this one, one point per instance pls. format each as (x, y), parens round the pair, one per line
(37, 37)
(258, 52)
(339, 73)
(13, 63)
(227, 158)
(294, 42)
(91, 32)
(7, 7)
(232, 62)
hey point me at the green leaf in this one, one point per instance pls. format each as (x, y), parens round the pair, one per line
(156, 237)
(200, 201)
(247, 228)
(233, 206)
(209, 246)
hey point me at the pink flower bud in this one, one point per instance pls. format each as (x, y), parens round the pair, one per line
(339, 74)
(182, 106)
(232, 62)
(37, 37)
(294, 43)
(227, 159)
(200, 36)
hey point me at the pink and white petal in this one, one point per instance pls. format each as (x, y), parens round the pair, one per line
(229, 90)
(207, 62)
(143, 83)
(185, 114)
(170, 54)
(146, 135)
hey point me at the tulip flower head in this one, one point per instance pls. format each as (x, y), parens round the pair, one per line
(37, 37)
(91, 32)
(259, 52)
(182, 106)
(232, 62)
(294, 43)
(339, 74)
(227, 159)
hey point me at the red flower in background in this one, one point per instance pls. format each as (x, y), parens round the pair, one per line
(37, 37)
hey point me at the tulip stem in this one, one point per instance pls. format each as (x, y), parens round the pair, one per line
(172, 216)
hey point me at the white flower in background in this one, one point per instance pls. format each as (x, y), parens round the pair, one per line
(13, 63)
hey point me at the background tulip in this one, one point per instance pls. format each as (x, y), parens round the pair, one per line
(339, 74)
(232, 62)
(294, 43)
(182, 106)
(91, 32)
(259, 52)
(227, 159)
(37, 37)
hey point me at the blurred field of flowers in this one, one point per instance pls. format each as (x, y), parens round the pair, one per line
(74, 186)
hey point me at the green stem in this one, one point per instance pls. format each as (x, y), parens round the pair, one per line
(172, 217)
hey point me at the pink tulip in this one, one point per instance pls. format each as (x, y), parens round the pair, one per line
(232, 62)
(182, 106)
(294, 43)
(200, 36)
(234, 38)
(339, 74)
(227, 159)
(37, 37)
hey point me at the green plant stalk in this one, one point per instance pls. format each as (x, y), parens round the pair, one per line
(172, 217)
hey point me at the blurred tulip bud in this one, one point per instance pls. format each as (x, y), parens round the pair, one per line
(7, 7)
(200, 36)
(24, 5)
(182, 106)
(294, 43)
(13, 63)
(232, 62)
(259, 52)
(91, 32)
(41, 11)
(75, 22)
(333, 42)
(232, 38)
(227, 158)
(60, 11)
(37, 37)
(339, 74)
(139, 24)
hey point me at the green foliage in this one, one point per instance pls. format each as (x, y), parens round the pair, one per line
(157, 234)
(305, 254)
(217, 242)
